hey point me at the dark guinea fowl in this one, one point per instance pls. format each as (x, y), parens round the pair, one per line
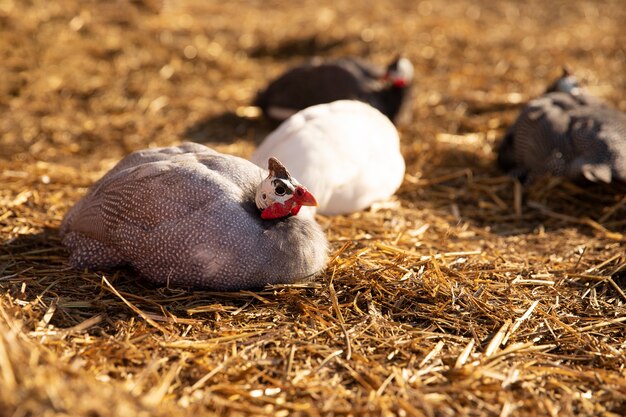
(190, 216)
(566, 132)
(319, 81)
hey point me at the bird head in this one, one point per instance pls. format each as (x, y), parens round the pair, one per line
(399, 73)
(280, 195)
(567, 83)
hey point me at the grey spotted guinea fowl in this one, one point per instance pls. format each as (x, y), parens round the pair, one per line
(566, 132)
(324, 81)
(190, 216)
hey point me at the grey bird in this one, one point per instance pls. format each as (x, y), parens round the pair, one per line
(324, 81)
(190, 216)
(566, 132)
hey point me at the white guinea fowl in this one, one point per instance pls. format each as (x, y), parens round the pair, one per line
(346, 153)
(191, 216)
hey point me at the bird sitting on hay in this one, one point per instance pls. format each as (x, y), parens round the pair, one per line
(346, 152)
(190, 216)
(566, 132)
(324, 81)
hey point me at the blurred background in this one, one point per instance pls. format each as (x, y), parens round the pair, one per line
(103, 78)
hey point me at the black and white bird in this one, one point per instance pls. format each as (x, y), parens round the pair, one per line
(346, 152)
(320, 81)
(190, 216)
(566, 132)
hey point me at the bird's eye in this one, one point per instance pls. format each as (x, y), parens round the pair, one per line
(264, 196)
(280, 190)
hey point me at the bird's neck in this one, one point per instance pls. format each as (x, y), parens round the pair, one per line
(392, 97)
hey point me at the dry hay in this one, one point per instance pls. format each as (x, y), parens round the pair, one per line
(463, 296)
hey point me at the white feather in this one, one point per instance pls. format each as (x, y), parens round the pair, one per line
(346, 153)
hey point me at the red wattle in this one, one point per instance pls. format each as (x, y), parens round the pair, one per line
(292, 206)
(276, 211)
(400, 83)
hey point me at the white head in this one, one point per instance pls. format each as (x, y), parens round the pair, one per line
(280, 195)
(567, 83)
(400, 72)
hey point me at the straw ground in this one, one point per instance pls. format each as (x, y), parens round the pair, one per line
(465, 295)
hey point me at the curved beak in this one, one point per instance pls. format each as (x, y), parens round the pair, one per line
(303, 197)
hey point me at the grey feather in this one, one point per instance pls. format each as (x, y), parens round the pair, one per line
(186, 216)
(566, 134)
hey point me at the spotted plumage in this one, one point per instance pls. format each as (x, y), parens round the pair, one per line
(566, 132)
(187, 216)
(324, 81)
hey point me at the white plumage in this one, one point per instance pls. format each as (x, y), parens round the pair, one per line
(346, 153)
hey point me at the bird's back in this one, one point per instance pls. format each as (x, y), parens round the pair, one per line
(346, 152)
(318, 82)
(598, 135)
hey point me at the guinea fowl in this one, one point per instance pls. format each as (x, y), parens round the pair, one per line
(346, 152)
(191, 216)
(319, 81)
(566, 132)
